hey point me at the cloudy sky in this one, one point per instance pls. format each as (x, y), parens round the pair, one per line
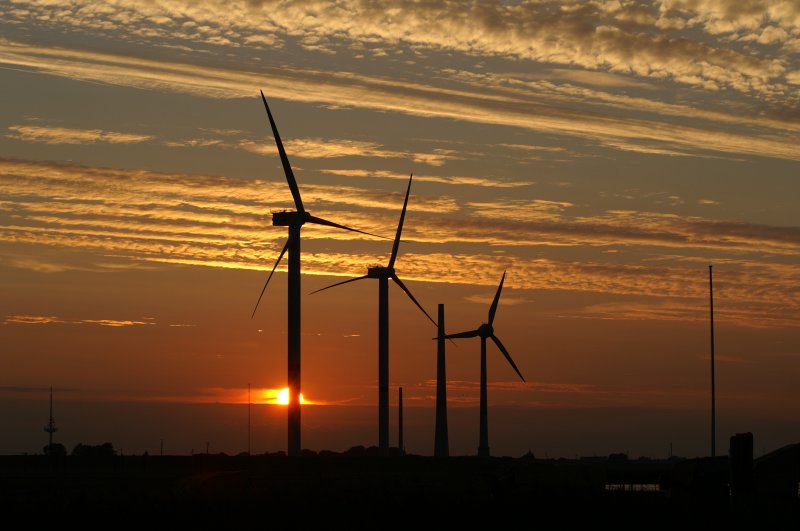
(604, 153)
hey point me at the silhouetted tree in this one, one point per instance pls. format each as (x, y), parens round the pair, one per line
(356, 451)
(87, 450)
(55, 450)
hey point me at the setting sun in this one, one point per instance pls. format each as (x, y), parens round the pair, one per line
(283, 397)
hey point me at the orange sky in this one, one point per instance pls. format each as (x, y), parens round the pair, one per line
(138, 174)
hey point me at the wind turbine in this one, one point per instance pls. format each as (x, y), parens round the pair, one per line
(484, 331)
(294, 220)
(383, 274)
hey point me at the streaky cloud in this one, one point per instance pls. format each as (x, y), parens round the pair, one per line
(360, 91)
(63, 135)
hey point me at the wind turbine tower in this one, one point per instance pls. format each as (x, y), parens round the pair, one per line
(383, 274)
(294, 220)
(486, 331)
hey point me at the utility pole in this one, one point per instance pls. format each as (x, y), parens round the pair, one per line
(400, 425)
(713, 380)
(249, 403)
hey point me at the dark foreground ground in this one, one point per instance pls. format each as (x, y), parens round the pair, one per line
(222, 491)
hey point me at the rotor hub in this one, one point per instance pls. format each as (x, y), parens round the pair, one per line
(287, 218)
(380, 272)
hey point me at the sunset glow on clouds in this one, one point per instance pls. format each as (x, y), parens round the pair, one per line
(528, 110)
(167, 218)
(603, 153)
(61, 135)
(50, 319)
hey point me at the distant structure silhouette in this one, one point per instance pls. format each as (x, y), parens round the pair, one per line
(89, 451)
(51, 425)
(294, 220)
(741, 466)
(713, 380)
(441, 444)
(249, 404)
(383, 274)
(400, 445)
(485, 331)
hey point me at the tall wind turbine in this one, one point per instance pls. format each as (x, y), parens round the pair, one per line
(294, 220)
(383, 274)
(484, 331)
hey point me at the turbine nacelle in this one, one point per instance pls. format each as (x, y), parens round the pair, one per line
(380, 272)
(287, 218)
(486, 330)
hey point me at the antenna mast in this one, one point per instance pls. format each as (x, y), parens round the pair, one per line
(51, 425)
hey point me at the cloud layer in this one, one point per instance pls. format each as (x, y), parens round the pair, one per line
(62, 135)
(52, 319)
(223, 222)
(647, 39)
(524, 105)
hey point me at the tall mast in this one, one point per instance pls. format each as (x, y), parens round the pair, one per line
(400, 444)
(713, 382)
(51, 425)
(441, 446)
(249, 403)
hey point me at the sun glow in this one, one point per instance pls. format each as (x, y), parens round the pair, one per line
(283, 397)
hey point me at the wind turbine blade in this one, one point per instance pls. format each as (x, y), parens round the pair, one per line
(338, 284)
(493, 309)
(471, 333)
(286, 246)
(507, 355)
(325, 222)
(396, 245)
(404, 288)
(287, 168)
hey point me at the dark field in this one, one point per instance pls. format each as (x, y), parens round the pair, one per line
(367, 491)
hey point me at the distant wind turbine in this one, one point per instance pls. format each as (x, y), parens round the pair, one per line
(294, 220)
(485, 331)
(383, 274)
